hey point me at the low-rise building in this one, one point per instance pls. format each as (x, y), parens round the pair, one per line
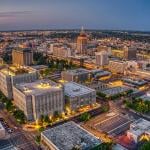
(97, 85)
(13, 75)
(135, 83)
(67, 137)
(76, 75)
(42, 97)
(139, 130)
(116, 66)
(78, 96)
(115, 90)
(98, 73)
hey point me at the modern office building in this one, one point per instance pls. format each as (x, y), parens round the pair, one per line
(130, 53)
(101, 58)
(68, 136)
(76, 75)
(41, 97)
(139, 130)
(22, 57)
(13, 75)
(78, 96)
(116, 66)
(82, 41)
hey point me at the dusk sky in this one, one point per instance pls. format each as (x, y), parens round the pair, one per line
(69, 14)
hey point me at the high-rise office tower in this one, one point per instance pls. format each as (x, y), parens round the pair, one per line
(129, 53)
(82, 42)
(102, 58)
(22, 57)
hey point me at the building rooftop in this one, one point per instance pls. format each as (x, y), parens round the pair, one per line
(23, 49)
(69, 135)
(78, 71)
(100, 73)
(38, 87)
(73, 89)
(13, 70)
(135, 81)
(115, 90)
(140, 126)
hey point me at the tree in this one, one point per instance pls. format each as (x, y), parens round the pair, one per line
(85, 116)
(145, 146)
(38, 139)
(19, 115)
(46, 119)
(9, 105)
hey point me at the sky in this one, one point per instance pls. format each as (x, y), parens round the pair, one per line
(72, 14)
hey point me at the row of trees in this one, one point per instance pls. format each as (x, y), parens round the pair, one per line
(18, 114)
(138, 105)
(116, 96)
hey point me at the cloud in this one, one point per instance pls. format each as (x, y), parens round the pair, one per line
(14, 13)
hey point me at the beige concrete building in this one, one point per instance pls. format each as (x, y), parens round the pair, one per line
(22, 57)
(42, 97)
(13, 75)
(102, 58)
(116, 66)
(78, 96)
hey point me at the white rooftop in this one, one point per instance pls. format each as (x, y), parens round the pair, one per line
(38, 87)
(140, 126)
(73, 89)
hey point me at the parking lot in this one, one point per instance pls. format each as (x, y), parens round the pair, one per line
(113, 125)
(6, 126)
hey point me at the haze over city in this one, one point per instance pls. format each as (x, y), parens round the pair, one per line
(72, 14)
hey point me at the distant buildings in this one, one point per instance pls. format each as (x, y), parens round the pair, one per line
(12, 75)
(76, 75)
(78, 96)
(139, 130)
(82, 41)
(68, 136)
(41, 97)
(116, 66)
(22, 57)
(62, 51)
(102, 58)
(130, 53)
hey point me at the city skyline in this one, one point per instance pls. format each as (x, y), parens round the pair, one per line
(97, 14)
